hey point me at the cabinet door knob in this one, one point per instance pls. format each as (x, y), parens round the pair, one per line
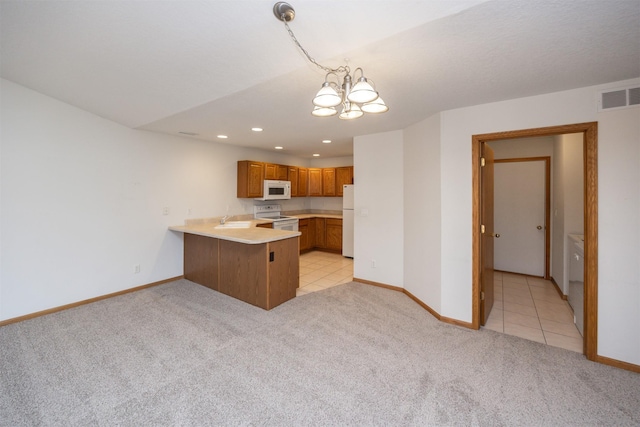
(539, 227)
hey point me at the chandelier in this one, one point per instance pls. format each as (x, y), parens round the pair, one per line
(338, 87)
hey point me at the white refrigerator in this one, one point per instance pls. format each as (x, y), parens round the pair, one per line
(347, 221)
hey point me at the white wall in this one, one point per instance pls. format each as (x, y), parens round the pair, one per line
(573, 171)
(378, 204)
(82, 198)
(422, 195)
(618, 206)
(619, 139)
(458, 126)
(619, 234)
(568, 202)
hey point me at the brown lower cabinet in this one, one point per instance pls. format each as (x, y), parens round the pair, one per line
(333, 230)
(264, 274)
(303, 227)
(321, 233)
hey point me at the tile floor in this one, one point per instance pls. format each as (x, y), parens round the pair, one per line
(322, 270)
(524, 306)
(531, 308)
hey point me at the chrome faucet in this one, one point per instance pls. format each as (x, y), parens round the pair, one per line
(224, 219)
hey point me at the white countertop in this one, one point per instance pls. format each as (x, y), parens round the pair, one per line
(251, 236)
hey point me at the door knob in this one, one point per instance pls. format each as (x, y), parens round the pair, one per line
(496, 235)
(539, 227)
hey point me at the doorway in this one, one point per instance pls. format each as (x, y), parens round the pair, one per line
(522, 188)
(589, 132)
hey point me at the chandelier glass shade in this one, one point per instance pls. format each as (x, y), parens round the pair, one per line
(324, 111)
(327, 96)
(356, 99)
(375, 106)
(350, 111)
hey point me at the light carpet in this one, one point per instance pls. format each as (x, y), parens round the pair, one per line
(181, 354)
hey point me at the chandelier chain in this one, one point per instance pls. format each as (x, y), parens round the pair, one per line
(340, 69)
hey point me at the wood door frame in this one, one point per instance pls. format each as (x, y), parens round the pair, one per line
(547, 204)
(590, 157)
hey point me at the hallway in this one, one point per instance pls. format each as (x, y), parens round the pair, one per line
(531, 308)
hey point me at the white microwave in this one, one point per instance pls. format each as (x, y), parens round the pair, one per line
(275, 190)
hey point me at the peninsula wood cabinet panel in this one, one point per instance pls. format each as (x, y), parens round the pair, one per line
(201, 260)
(315, 182)
(264, 275)
(250, 179)
(243, 272)
(284, 271)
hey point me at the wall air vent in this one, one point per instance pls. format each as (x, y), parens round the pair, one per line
(619, 98)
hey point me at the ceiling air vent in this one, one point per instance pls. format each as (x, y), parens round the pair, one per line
(619, 98)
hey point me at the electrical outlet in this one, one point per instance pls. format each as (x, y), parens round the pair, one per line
(136, 269)
(165, 211)
(373, 263)
(189, 211)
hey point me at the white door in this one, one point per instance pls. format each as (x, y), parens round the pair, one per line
(519, 217)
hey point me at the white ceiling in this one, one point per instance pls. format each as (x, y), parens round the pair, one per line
(223, 66)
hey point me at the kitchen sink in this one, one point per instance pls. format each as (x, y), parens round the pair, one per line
(235, 224)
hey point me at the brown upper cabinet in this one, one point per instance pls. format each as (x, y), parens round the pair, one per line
(293, 177)
(298, 178)
(279, 172)
(344, 175)
(250, 178)
(303, 182)
(315, 182)
(329, 181)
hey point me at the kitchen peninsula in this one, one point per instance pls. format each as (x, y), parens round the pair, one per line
(256, 265)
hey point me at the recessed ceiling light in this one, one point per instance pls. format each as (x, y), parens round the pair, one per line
(316, 155)
(256, 129)
(279, 148)
(326, 141)
(222, 136)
